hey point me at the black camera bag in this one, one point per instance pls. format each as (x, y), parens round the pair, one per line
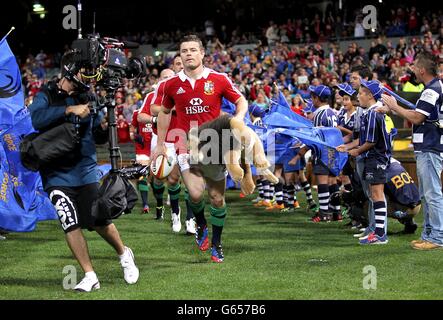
(49, 148)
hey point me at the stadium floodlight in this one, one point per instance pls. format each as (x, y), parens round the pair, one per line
(37, 8)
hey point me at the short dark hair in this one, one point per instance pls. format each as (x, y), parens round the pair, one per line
(322, 99)
(363, 71)
(354, 97)
(70, 59)
(191, 38)
(428, 61)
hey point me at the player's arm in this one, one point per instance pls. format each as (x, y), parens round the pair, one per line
(416, 117)
(301, 153)
(241, 108)
(363, 148)
(231, 93)
(144, 115)
(155, 109)
(370, 136)
(344, 130)
(163, 122)
(146, 118)
(349, 146)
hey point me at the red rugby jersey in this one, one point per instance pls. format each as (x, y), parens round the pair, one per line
(146, 108)
(198, 100)
(145, 130)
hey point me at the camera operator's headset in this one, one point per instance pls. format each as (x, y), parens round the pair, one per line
(70, 72)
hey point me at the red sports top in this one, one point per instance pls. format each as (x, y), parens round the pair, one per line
(198, 100)
(145, 130)
(146, 108)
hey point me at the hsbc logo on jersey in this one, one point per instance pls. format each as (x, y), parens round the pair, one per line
(196, 101)
(196, 106)
(147, 128)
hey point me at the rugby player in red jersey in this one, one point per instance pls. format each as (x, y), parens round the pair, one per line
(196, 92)
(146, 115)
(141, 134)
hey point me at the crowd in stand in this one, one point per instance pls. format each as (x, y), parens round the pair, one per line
(291, 66)
(306, 26)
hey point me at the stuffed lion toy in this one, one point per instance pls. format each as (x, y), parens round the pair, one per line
(230, 142)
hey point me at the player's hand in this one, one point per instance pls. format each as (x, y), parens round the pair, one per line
(145, 162)
(81, 110)
(389, 101)
(276, 87)
(159, 150)
(294, 160)
(341, 148)
(383, 109)
(353, 153)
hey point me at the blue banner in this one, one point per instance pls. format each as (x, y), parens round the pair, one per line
(22, 200)
(323, 141)
(11, 92)
(277, 109)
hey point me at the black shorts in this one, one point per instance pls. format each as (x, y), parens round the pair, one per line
(374, 171)
(74, 204)
(320, 169)
(348, 170)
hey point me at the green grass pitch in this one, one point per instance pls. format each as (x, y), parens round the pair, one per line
(268, 255)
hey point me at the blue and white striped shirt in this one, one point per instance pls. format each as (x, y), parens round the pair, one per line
(345, 121)
(373, 130)
(325, 117)
(428, 136)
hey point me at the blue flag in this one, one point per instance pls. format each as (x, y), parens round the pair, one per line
(22, 200)
(323, 141)
(11, 93)
(228, 107)
(286, 111)
(280, 120)
(281, 100)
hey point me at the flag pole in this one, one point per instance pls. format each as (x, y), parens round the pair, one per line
(10, 30)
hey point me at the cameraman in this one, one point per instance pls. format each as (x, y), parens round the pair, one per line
(72, 182)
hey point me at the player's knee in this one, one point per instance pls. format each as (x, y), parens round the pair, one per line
(377, 194)
(217, 200)
(173, 179)
(195, 195)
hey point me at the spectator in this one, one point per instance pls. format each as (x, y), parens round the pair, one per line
(272, 34)
(209, 30)
(359, 30)
(123, 130)
(129, 107)
(413, 21)
(297, 104)
(378, 48)
(426, 138)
